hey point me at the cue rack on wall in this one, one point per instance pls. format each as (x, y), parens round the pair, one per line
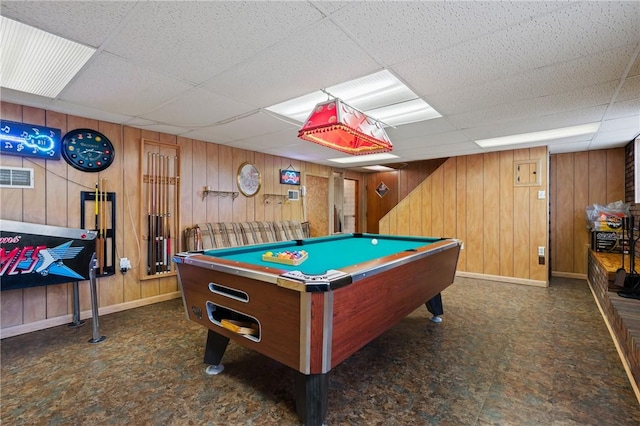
(102, 208)
(159, 209)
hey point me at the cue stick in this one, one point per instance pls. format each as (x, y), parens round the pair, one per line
(161, 263)
(153, 215)
(97, 219)
(152, 239)
(100, 215)
(167, 230)
(104, 225)
(158, 213)
(169, 207)
(148, 212)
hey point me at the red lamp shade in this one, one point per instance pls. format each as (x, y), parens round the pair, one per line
(336, 125)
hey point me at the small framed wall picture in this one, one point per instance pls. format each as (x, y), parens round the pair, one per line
(382, 189)
(249, 179)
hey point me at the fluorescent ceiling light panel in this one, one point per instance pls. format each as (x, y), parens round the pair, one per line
(379, 168)
(404, 113)
(363, 158)
(544, 135)
(381, 96)
(37, 62)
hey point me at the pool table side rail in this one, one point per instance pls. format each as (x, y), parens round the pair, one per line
(270, 274)
(392, 261)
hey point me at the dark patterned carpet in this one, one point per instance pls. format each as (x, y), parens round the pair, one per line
(505, 355)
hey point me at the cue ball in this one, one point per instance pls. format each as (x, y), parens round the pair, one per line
(374, 241)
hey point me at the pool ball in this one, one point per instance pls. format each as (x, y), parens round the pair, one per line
(374, 241)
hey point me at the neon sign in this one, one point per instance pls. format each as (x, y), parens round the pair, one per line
(27, 140)
(289, 177)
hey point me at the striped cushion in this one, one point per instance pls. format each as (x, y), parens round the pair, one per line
(219, 235)
(295, 230)
(233, 233)
(257, 232)
(214, 235)
(287, 230)
(265, 230)
(210, 235)
(278, 228)
(248, 233)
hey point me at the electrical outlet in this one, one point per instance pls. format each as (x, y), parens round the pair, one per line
(125, 265)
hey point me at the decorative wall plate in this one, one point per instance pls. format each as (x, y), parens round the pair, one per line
(249, 179)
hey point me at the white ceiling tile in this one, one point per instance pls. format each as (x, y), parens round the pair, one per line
(22, 98)
(86, 111)
(201, 39)
(553, 79)
(630, 89)
(205, 135)
(438, 151)
(624, 109)
(429, 127)
(604, 138)
(560, 36)
(635, 68)
(569, 147)
(73, 20)
(492, 68)
(205, 109)
(164, 128)
(248, 127)
(384, 27)
(117, 86)
(280, 72)
(600, 94)
(630, 122)
(440, 139)
(535, 124)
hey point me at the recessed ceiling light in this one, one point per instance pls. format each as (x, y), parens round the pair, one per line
(363, 158)
(379, 168)
(380, 95)
(544, 135)
(37, 62)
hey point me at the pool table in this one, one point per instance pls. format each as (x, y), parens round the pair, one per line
(313, 315)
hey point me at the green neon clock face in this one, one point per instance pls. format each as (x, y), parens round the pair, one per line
(87, 150)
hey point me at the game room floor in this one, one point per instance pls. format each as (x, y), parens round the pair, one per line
(505, 354)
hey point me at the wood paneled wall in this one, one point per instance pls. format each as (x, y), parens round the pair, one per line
(577, 180)
(474, 198)
(399, 183)
(55, 200)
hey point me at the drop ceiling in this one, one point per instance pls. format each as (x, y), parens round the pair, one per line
(208, 70)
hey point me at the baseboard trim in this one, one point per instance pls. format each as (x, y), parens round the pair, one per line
(67, 319)
(500, 278)
(569, 275)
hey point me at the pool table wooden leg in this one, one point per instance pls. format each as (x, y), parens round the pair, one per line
(312, 396)
(214, 350)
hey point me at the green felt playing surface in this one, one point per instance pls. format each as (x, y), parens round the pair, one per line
(333, 252)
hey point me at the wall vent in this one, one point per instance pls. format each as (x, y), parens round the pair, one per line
(16, 177)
